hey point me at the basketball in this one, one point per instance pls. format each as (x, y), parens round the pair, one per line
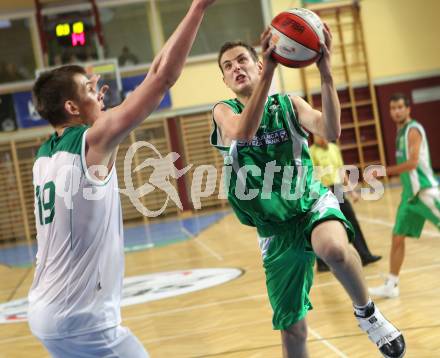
(297, 34)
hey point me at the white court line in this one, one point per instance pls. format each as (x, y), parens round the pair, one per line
(195, 307)
(202, 244)
(338, 352)
(389, 224)
(194, 259)
(194, 332)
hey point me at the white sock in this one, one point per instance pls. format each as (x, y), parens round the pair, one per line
(392, 280)
(361, 310)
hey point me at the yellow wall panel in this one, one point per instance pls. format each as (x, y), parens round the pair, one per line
(401, 36)
(199, 84)
(281, 5)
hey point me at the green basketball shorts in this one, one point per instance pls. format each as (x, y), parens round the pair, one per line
(412, 213)
(288, 260)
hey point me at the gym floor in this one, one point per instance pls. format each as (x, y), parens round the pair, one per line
(233, 319)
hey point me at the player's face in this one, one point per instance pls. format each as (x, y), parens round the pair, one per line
(398, 111)
(240, 71)
(90, 99)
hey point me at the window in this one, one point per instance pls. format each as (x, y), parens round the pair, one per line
(227, 20)
(17, 61)
(126, 33)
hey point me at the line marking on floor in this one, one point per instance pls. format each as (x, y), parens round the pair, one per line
(332, 347)
(202, 244)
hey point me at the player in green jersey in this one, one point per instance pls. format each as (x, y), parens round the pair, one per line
(272, 188)
(420, 195)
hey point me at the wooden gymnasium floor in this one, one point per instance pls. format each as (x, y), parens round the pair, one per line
(233, 320)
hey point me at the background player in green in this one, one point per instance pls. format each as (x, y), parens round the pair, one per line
(263, 142)
(420, 195)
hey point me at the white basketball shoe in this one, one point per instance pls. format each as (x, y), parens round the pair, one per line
(383, 333)
(387, 290)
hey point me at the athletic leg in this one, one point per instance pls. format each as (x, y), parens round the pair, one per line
(410, 223)
(390, 287)
(330, 242)
(397, 254)
(288, 263)
(294, 340)
(329, 239)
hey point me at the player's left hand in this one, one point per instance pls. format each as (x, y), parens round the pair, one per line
(267, 47)
(324, 63)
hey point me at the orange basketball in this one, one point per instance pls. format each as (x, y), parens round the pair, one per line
(298, 34)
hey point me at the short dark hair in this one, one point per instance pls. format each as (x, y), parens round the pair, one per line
(52, 89)
(397, 96)
(232, 44)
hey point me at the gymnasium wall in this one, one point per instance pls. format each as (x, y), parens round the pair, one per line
(404, 55)
(426, 112)
(401, 36)
(400, 42)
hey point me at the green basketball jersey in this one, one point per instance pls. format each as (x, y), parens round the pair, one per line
(271, 180)
(422, 177)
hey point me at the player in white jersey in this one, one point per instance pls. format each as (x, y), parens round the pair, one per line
(420, 195)
(74, 301)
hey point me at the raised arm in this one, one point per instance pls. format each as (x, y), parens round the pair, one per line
(244, 126)
(328, 123)
(114, 125)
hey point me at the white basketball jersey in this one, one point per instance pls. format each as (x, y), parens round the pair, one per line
(80, 260)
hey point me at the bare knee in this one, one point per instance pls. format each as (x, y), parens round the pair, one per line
(333, 251)
(330, 243)
(296, 333)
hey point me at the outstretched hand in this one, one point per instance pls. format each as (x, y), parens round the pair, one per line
(324, 63)
(267, 47)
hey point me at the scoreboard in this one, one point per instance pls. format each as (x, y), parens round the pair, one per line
(69, 30)
(74, 33)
